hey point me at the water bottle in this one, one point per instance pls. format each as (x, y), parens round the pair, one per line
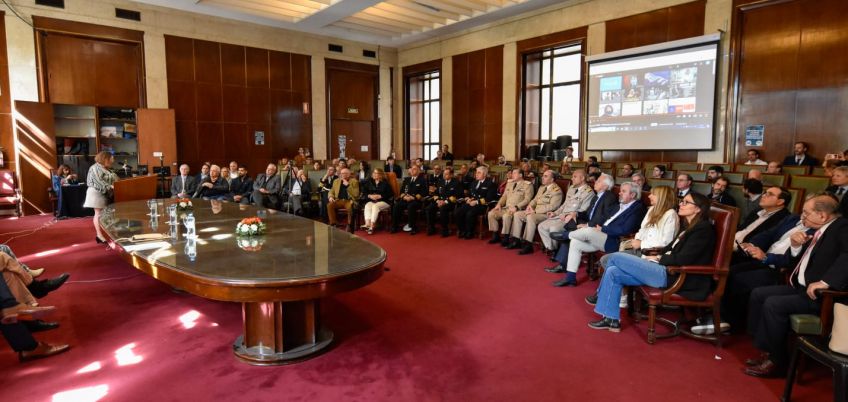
(191, 249)
(172, 214)
(189, 224)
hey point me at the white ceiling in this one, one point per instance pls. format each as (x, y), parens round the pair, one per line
(391, 23)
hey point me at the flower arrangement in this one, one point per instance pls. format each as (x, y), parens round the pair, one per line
(184, 204)
(252, 226)
(251, 244)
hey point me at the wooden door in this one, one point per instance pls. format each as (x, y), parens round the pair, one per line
(157, 132)
(357, 138)
(352, 105)
(36, 149)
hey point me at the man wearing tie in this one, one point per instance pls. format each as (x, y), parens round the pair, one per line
(819, 259)
(684, 185)
(799, 156)
(266, 188)
(839, 187)
(183, 186)
(412, 194)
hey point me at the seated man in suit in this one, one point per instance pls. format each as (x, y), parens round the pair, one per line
(241, 187)
(683, 184)
(799, 156)
(434, 179)
(448, 194)
(183, 186)
(204, 172)
(517, 194)
(298, 190)
(639, 180)
(627, 171)
(481, 192)
(714, 172)
(213, 187)
(719, 192)
(266, 188)
(343, 195)
(819, 261)
(578, 198)
(392, 167)
(412, 194)
(588, 239)
(548, 198)
(17, 327)
(753, 189)
(839, 187)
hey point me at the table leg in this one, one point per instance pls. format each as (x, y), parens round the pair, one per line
(281, 332)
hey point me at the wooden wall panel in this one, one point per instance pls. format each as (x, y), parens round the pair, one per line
(7, 139)
(663, 25)
(222, 94)
(477, 103)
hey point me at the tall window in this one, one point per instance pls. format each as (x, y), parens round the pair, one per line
(423, 127)
(551, 89)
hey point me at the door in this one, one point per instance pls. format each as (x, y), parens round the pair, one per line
(355, 136)
(352, 105)
(36, 153)
(157, 132)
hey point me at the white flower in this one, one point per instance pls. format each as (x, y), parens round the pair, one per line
(182, 205)
(244, 229)
(254, 228)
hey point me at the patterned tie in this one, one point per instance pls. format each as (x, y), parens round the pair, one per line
(809, 250)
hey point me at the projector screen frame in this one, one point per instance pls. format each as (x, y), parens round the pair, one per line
(682, 44)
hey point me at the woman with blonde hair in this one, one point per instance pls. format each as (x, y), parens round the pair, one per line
(377, 194)
(100, 182)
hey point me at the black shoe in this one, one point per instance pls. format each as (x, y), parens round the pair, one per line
(413, 232)
(527, 249)
(445, 233)
(39, 325)
(514, 245)
(496, 238)
(564, 282)
(505, 242)
(469, 235)
(606, 323)
(431, 231)
(40, 289)
(591, 299)
(556, 269)
(393, 230)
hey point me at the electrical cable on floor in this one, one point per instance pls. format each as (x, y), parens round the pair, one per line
(107, 279)
(28, 232)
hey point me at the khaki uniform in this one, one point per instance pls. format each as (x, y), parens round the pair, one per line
(547, 199)
(578, 199)
(516, 194)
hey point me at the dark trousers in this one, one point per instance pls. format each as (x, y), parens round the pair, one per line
(411, 208)
(444, 212)
(465, 217)
(768, 317)
(742, 279)
(17, 335)
(265, 200)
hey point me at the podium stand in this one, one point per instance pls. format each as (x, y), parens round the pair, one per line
(136, 188)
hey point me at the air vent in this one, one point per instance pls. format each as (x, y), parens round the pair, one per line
(335, 48)
(369, 53)
(128, 14)
(51, 3)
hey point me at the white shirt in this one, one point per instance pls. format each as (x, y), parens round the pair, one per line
(756, 162)
(780, 246)
(234, 175)
(621, 209)
(661, 234)
(806, 258)
(295, 188)
(764, 215)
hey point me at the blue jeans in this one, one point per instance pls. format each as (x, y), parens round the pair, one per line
(622, 270)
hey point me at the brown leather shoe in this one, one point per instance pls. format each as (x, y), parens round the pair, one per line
(22, 312)
(756, 361)
(766, 369)
(42, 350)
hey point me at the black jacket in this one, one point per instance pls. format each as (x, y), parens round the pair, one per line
(723, 198)
(808, 161)
(843, 205)
(417, 189)
(242, 186)
(219, 188)
(485, 193)
(771, 222)
(450, 191)
(383, 188)
(606, 208)
(696, 246)
(396, 169)
(829, 259)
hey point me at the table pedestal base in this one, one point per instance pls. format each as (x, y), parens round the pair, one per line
(281, 332)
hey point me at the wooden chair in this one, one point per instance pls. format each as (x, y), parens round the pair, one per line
(798, 195)
(385, 216)
(10, 194)
(725, 219)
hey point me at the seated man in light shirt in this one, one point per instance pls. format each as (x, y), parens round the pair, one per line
(298, 189)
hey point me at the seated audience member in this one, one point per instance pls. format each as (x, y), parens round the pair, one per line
(684, 185)
(341, 164)
(225, 175)
(204, 173)
(300, 158)
(819, 260)
(351, 162)
(774, 168)
(317, 166)
(517, 194)
(266, 188)
(481, 192)
(413, 190)
(565, 168)
(63, 177)
(593, 160)
(502, 161)
(756, 174)
(465, 177)
(569, 155)
(35, 272)
(799, 156)
(658, 172)
(298, 189)
(593, 168)
(285, 164)
(693, 246)
(234, 170)
(18, 323)
(440, 156)
(446, 153)
(343, 195)
(719, 192)
(626, 171)
(213, 187)
(578, 198)
(377, 196)
(548, 198)
(587, 239)
(21, 282)
(481, 160)
(364, 172)
(391, 167)
(241, 187)
(434, 179)
(773, 209)
(838, 187)
(639, 180)
(448, 194)
(753, 190)
(754, 158)
(714, 172)
(591, 178)
(324, 186)
(829, 165)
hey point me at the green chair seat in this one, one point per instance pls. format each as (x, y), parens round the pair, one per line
(805, 324)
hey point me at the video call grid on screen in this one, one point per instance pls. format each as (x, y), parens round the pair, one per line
(658, 99)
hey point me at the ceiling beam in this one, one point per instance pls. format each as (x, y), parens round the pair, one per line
(335, 12)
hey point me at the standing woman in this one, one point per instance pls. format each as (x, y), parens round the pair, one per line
(100, 183)
(378, 194)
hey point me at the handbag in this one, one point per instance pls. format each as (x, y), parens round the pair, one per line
(839, 334)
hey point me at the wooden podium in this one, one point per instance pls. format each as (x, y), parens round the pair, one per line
(136, 188)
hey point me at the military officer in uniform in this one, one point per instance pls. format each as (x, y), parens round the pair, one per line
(517, 194)
(412, 193)
(481, 192)
(448, 193)
(577, 199)
(548, 198)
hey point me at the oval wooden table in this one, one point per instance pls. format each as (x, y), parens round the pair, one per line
(279, 277)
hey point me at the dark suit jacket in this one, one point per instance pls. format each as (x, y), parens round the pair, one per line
(396, 169)
(808, 161)
(607, 207)
(829, 258)
(384, 189)
(695, 247)
(417, 189)
(219, 188)
(242, 186)
(272, 184)
(177, 185)
(485, 194)
(769, 223)
(843, 205)
(723, 198)
(626, 223)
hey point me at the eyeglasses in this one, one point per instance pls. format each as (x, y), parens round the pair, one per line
(768, 194)
(684, 202)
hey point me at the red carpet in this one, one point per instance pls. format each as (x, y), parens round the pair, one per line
(453, 320)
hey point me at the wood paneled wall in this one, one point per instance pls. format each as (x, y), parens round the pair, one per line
(663, 25)
(7, 139)
(222, 94)
(790, 71)
(352, 90)
(477, 103)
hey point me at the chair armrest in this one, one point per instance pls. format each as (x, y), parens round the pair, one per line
(692, 269)
(826, 315)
